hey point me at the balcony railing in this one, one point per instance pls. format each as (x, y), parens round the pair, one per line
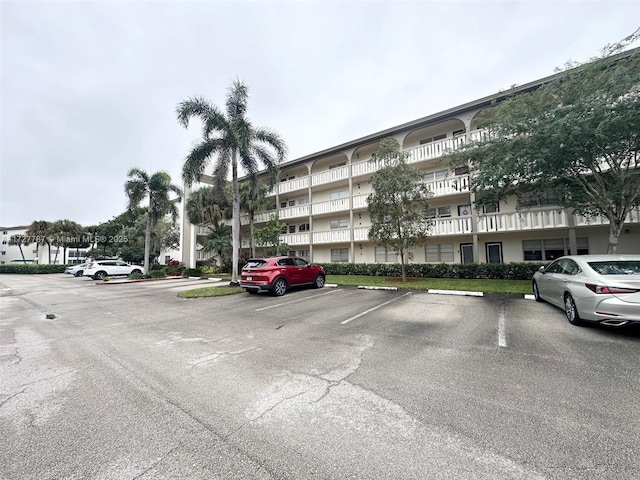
(451, 226)
(329, 176)
(449, 186)
(632, 217)
(331, 206)
(293, 212)
(332, 236)
(526, 220)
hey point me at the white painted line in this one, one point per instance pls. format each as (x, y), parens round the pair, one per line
(374, 308)
(529, 297)
(331, 285)
(295, 301)
(456, 292)
(377, 288)
(502, 331)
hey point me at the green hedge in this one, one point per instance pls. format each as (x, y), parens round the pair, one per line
(31, 268)
(506, 271)
(192, 272)
(157, 274)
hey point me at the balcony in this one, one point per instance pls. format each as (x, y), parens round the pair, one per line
(526, 220)
(293, 212)
(330, 176)
(449, 186)
(332, 236)
(295, 238)
(451, 226)
(632, 217)
(331, 206)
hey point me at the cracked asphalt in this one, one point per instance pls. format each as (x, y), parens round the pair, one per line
(131, 382)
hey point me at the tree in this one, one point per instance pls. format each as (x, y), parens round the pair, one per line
(269, 236)
(398, 204)
(218, 242)
(19, 241)
(65, 233)
(157, 189)
(577, 136)
(209, 205)
(253, 198)
(232, 140)
(40, 231)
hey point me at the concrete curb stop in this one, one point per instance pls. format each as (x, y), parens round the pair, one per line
(377, 288)
(456, 292)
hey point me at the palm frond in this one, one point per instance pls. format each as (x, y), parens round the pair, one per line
(237, 99)
(197, 107)
(198, 159)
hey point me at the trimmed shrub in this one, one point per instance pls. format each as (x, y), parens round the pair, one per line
(31, 268)
(192, 272)
(157, 274)
(156, 266)
(210, 270)
(136, 276)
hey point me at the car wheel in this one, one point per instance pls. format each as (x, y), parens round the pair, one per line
(536, 292)
(137, 270)
(571, 311)
(279, 287)
(99, 275)
(251, 290)
(319, 283)
(79, 273)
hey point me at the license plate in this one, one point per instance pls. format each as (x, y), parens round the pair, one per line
(249, 279)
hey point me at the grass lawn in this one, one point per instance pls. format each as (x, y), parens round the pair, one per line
(514, 287)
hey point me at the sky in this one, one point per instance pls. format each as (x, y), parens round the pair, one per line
(89, 89)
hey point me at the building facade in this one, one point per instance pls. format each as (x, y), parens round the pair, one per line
(322, 199)
(35, 252)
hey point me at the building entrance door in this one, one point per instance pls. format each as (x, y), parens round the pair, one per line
(466, 252)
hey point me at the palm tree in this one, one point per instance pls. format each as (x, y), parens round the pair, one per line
(208, 205)
(19, 240)
(253, 198)
(157, 188)
(40, 231)
(65, 233)
(218, 242)
(232, 139)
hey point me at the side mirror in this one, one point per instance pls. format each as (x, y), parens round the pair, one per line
(541, 269)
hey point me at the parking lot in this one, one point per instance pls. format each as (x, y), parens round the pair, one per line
(130, 381)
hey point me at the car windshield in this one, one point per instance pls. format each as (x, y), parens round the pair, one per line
(255, 263)
(617, 267)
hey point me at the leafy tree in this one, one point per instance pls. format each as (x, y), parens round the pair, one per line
(209, 205)
(40, 230)
(253, 199)
(269, 236)
(157, 189)
(65, 233)
(219, 242)
(232, 140)
(19, 241)
(577, 136)
(398, 203)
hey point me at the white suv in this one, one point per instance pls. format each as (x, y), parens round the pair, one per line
(110, 268)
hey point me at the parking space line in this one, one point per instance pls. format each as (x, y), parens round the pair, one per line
(295, 301)
(502, 332)
(374, 308)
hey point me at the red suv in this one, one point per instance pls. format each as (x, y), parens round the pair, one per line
(277, 274)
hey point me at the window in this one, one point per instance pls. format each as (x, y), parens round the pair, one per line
(462, 170)
(339, 255)
(303, 201)
(464, 210)
(435, 138)
(283, 205)
(439, 253)
(292, 253)
(338, 195)
(286, 262)
(384, 254)
(303, 227)
(292, 229)
(552, 248)
(4, 242)
(540, 200)
(439, 212)
(167, 258)
(3, 252)
(337, 165)
(292, 203)
(435, 176)
(304, 254)
(459, 132)
(342, 223)
(491, 208)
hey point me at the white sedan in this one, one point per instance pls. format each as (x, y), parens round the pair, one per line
(596, 288)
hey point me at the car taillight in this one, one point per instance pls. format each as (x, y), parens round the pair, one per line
(609, 290)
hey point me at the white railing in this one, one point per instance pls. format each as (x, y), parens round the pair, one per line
(332, 236)
(329, 176)
(363, 168)
(295, 184)
(526, 220)
(632, 217)
(361, 234)
(331, 206)
(449, 186)
(293, 212)
(451, 226)
(435, 149)
(360, 201)
(261, 217)
(295, 238)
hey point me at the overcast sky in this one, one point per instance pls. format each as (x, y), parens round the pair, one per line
(89, 88)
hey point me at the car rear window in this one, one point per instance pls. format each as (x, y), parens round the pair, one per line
(255, 263)
(617, 267)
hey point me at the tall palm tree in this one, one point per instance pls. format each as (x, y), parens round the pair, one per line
(19, 241)
(40, 231)
(231, 139)
(65, 233)
(208, 205)
(253, 198)
(157, 189)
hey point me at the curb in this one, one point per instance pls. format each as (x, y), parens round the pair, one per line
(377, 288)
(123, 281)
(456, 292)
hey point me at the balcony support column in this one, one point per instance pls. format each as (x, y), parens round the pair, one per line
(474, 222)
(573, 244)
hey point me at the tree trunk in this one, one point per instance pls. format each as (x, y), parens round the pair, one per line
(22, 253)
(402, 267)
(615, 227)
(147, 239)
(253, 242)
(235, 222)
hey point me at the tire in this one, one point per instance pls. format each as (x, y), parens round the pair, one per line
(571, 311)
(79, 273)
(536, 292)
(279, 287)
(99, 275)
(137, 270)
(319, 282)
(251, 290)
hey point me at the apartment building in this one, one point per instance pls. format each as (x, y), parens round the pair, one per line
(34, 253)
(322, 199)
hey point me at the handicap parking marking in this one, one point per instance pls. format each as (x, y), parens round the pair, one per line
(297, 300)
(374, 308)
(502, 330)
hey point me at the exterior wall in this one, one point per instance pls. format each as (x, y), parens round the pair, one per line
(33, 253)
